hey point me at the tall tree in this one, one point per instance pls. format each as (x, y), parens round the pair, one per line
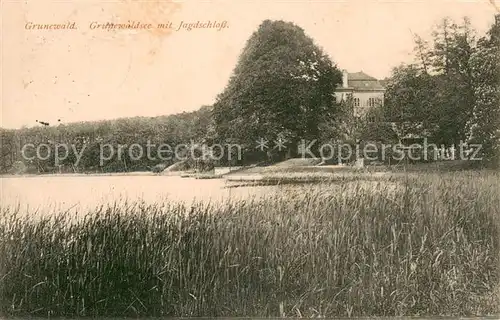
(282, 87)
(484, 125)
(423, 53)
(410, 101)
(454, 44)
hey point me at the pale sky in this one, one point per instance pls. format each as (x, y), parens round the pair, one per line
(80, 75)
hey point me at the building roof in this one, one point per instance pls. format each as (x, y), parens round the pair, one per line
(362, 81)
(360, 76)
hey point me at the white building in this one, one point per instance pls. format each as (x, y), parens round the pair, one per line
(367, 92)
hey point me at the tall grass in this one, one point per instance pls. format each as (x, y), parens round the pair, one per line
(430, 247)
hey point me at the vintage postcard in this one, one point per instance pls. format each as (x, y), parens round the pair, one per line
(260, 159)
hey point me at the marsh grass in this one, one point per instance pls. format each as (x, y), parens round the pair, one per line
(429, 247)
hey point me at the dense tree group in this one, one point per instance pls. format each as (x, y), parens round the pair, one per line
(451, 93)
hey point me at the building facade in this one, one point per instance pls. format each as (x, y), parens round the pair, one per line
(367, 92)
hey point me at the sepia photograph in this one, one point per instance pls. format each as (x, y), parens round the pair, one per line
(259, 159)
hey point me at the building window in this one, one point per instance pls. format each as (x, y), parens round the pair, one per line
(372, 102)
(356, 102)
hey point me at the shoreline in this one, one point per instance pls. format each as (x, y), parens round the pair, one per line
(34, 175)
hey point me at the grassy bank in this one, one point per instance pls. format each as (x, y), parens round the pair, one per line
(430, 247)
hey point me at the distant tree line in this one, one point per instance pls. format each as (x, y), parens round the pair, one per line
(184, 128)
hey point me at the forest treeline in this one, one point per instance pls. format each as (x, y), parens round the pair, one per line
(283, 88)
(172, 130)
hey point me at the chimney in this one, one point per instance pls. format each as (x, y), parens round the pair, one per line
(344, 79)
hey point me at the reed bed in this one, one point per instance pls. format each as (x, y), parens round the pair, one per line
(429, 247)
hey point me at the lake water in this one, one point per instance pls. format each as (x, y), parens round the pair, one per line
(69, 193)
(61, 193)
